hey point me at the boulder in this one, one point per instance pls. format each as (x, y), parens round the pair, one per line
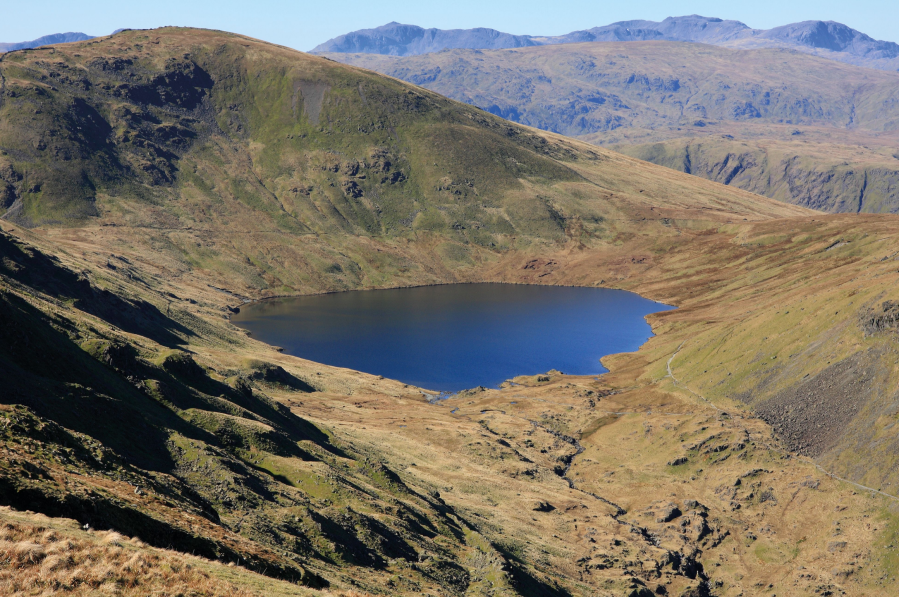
(541, 506)
(668, 513)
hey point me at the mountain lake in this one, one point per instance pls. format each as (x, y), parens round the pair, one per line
(457, 336)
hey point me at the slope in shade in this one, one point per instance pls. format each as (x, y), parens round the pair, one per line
(305, 471)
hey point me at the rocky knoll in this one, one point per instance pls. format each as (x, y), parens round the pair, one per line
(881, 319)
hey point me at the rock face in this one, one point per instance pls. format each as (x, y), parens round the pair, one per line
(881, 319)
(833, 183)
(276, 375)
(823, 38)
(542, 506)
(668, 513)
(46, 40)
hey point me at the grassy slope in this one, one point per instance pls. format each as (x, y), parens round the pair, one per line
(57, 554)
(767, 310)
(677, 93)
(326, 177)
(238, 459)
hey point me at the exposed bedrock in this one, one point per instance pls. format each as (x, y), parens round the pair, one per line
(828, 183)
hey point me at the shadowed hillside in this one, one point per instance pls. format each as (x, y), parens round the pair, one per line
(155, 180)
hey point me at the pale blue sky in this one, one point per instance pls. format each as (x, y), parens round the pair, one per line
(303, 24)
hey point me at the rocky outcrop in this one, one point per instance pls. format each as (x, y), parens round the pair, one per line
(884, 318)
(794, 174)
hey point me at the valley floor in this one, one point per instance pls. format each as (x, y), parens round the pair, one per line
(657, 477)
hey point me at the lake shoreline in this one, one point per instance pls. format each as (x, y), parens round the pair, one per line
(443, 332)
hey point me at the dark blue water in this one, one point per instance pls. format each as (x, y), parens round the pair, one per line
(449, 338)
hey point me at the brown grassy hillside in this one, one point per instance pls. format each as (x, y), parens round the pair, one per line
(132, 404)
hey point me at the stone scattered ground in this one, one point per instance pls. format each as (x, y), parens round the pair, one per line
(133, 405)
(629, 482)
(811, 417)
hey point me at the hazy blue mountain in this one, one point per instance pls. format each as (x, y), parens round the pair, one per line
(690, 28)
(836, 37)
(395, 39)
(821, 38)
(55, 38)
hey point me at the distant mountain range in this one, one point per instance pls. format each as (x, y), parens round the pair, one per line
(767, 120)
(620, 88)
(55, 38)
(823, 38)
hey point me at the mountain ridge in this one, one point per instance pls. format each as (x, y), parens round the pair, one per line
(827, 39)
(46, 40)
(388, 38)
(647, 92)
(155, 180)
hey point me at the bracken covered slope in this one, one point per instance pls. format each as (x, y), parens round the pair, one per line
(132, 404)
